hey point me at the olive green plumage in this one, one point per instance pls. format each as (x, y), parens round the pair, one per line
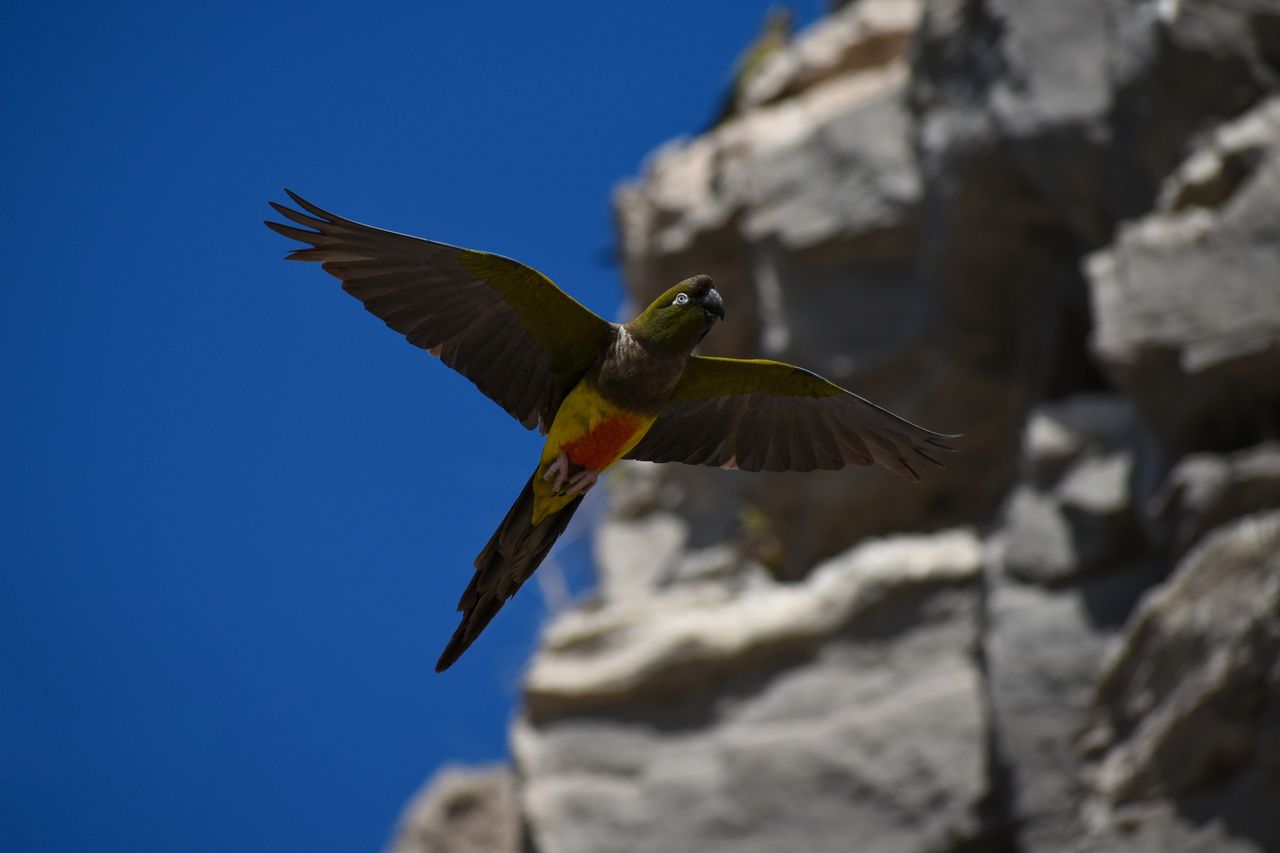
(600, 391)
(503, 325)
(774, 36)
(669, 324)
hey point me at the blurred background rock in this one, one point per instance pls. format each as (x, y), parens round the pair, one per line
(1055, 228)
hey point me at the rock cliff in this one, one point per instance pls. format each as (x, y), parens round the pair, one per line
(1055, 228)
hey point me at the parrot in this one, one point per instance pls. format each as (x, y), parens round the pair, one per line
(599, 391)
(774, 36)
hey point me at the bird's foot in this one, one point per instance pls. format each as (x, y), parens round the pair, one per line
(565, 481)
(557, 472)
(584, 480)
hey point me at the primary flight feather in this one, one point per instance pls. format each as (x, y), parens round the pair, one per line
(600, 391)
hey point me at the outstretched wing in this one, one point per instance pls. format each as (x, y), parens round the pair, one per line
(503, 325)
(761, 415)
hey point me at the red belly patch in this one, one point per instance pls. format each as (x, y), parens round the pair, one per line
(602, 443)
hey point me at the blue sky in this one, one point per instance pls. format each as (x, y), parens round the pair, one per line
(238, 509)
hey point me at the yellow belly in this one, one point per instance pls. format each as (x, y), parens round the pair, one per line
(593, 434)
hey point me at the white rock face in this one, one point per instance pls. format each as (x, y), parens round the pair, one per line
(806, 212)
(1188, 299)
(844, 710)
(1086, 458)
(1052, 227)
(869, 34)
(462, 810)
(1205, 491)
(1185, 709)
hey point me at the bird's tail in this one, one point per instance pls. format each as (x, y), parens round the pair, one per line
(514, 551)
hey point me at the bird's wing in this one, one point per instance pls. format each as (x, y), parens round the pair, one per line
(523, 341)
(761, 415)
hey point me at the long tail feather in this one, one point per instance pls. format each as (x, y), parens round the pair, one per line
(514, 552)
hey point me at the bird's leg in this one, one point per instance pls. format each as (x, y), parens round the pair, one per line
(566, 478)
(582, 481)
(557, 472)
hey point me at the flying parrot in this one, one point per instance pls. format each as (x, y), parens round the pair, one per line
(599, 391)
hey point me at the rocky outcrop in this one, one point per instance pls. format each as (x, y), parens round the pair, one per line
(462, 810)
(1066, 563)
(1052, 227)
(1205, 491)
(769, 707)
(791, 250)
(1185, 720)
(1074, 513)
(1188, 298)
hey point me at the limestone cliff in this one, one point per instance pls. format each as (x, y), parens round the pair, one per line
(1055, 228)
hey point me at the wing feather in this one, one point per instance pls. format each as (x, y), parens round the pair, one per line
(503, 325)
(761, 415)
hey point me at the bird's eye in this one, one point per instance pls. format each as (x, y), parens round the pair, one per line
(681, 298)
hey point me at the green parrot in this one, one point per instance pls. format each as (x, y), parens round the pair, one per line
(599, 391)
(774, 36)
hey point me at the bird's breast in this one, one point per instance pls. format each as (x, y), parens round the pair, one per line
(604, 441)
(592, 431)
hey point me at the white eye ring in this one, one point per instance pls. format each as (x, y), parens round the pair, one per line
(681, 298)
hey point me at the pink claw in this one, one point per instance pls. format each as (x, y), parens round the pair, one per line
(583, 481)
(556, 473)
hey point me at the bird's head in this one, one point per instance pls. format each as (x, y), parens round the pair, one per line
(682, 316)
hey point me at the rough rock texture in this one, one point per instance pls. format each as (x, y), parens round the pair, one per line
(1205, 491)
(1075, 512)
(1064, 568)
(1042, 650)
(1052, 227)
(1188, 299)
(855, 40)
(791, 714)
(790, 251)
(462, 810)
(1187, 708)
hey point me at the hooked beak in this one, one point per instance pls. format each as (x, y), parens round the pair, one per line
(713, 304)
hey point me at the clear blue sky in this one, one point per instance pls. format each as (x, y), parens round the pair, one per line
(238, 510)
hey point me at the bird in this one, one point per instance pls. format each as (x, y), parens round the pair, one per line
(599, 391)
(774, 36)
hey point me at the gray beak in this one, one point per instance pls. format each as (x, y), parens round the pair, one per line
(713, 304)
